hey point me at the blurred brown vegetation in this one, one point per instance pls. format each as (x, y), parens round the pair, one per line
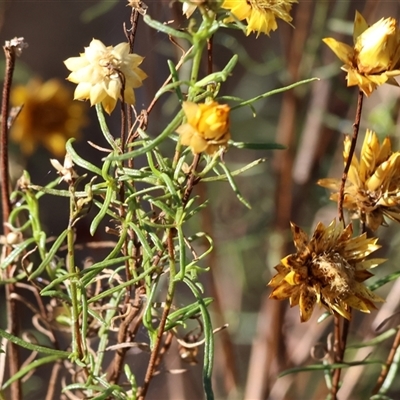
(264, 336)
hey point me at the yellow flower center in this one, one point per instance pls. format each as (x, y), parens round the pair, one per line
(111, 65)
(272, 5)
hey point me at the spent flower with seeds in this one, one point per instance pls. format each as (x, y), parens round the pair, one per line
(106, 74)
(375, 57)
(207, 126)
(49, 117)
(327, 270)
(372, 188)
(260, 15)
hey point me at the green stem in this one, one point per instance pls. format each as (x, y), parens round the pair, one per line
(154, 142)
(199, 46)
(77, 350)
(208, 340)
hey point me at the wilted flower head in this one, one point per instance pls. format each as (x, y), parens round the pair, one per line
(49, 116)
(101, 72)
(138, 5)
(328, 270)
(374, 59)
(260, 14)
(66, 171)
(372, 188)
(207, 126)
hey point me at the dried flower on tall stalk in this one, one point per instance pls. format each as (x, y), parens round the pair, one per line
(328, 270)
(102, 72)
(372, 189)
(207, 126)
(375, 57)
(260, 15)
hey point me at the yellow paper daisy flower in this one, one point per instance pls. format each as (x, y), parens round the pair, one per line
(328, 270)
(372, 189)
(374, 59)
(260, 15)
(49, 117)
(102, 72)
(207, 126)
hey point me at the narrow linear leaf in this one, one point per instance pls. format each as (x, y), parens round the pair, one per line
(16, 252)
(80, 161)
(50, 255)
(323, 367)
(33, 365)
(257, 146)
(272, 92)
(209, 340)
(34, 347)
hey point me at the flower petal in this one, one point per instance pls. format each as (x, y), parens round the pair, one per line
(343, 51)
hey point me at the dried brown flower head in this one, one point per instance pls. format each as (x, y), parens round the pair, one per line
(372, 188)
(328, 270)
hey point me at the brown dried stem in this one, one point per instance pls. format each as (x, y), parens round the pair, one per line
(168, 303)
(356, 127)
(339, 347)
(388, 364)
(341, 333)
(123, 332)
(10, 51)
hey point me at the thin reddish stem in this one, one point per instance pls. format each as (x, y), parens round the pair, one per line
(388, 364)
(356, 127)
(11, 50)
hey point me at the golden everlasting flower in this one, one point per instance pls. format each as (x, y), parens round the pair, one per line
(207, 126)
(372, 188)
(260, 14)
(101, 72)
(374, 59)
(327, 270)
(49, 116)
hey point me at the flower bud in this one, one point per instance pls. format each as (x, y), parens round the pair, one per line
(207, 126)
(377, 48)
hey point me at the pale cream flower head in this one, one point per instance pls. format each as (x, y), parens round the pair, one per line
(101, 72)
